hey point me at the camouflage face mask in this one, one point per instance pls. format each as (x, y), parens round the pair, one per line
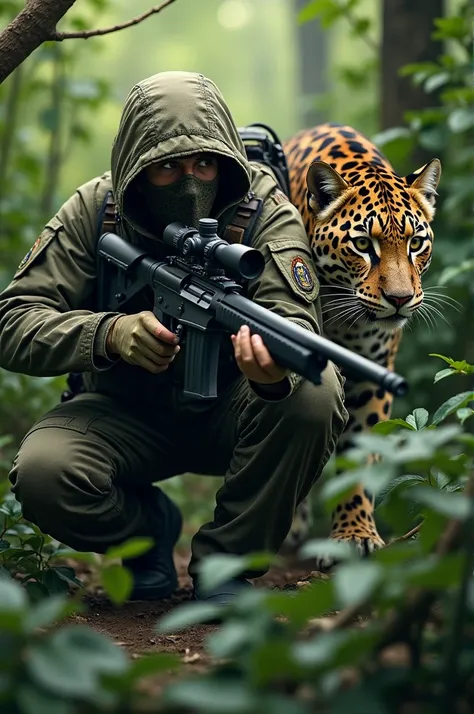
(186, 200)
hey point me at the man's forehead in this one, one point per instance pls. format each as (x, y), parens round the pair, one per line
(187, 157)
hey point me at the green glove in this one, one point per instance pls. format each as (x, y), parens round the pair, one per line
(142, 340)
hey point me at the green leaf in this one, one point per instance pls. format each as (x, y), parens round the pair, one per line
(231, 639)
(217, 569)
(4, 573)
(36, 591)
(389, 135)
(419, 419)
(4, 544)
(320, 650)
(33, 700)
(117, 582)
(436, 81)
(391, 425)
(464, 414)
(70, 663)
(451, 405)
(337, 488)
(211, 696)
(356, 582)
(132, 548)
(12, 596)
(326, 547)
(436, 573)
(151, 664)
(461, 119)
(68, 574)
(452, 505)
(187, 615)
(360, 698)
(442, 374)
(48, 611)
(451, 272)
(52, 580)
(314, 600)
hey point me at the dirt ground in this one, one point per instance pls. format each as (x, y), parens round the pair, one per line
(132, 625)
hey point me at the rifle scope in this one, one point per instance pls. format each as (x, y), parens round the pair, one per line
(205, 243)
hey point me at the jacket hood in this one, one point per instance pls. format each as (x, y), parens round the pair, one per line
(169, 115)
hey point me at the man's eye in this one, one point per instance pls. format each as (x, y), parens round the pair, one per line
(168, 165)
(362, 244)
(416, 243)
(205, 162)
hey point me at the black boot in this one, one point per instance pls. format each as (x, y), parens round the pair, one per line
(222, 594)
(153, 572)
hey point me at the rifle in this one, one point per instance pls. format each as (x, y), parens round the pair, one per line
(196, 290)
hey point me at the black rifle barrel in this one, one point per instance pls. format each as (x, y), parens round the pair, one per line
(287, 341)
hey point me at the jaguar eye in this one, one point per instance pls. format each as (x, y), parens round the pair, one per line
(362, 244)
(415, 244)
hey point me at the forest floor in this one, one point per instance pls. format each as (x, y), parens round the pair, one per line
(133, 625)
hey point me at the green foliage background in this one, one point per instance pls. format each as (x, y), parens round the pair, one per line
(60, 110)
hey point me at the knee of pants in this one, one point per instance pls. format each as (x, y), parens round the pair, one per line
(55, 472)
(317, 409)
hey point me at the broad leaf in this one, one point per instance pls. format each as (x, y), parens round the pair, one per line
(451, 405)
(70, 663)
(132, 548)
(193, 613)
(117, 582)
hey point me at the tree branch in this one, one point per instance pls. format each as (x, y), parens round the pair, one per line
(28, 30)
(85, 34)
(36, 24)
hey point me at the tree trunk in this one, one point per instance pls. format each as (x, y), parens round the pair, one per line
(407, 26)
(312, 61)
(28, 30)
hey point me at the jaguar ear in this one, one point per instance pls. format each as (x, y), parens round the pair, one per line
(426, 180)
(324, 184)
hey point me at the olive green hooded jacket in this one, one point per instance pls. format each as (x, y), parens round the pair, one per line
(49, 322)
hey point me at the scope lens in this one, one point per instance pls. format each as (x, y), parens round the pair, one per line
(246, 262)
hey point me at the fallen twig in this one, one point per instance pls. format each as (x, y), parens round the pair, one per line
(407, 536)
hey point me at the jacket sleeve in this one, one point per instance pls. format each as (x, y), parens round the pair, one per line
(288, 285)
(48, 325)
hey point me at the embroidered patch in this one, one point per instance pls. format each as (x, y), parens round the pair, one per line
(30, 254)
(301, 274)
(278, 196)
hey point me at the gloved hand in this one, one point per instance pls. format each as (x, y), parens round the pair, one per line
(142, 340)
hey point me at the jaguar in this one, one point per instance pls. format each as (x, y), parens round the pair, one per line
(371, 238)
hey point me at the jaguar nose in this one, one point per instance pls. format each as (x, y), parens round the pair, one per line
(397, 301)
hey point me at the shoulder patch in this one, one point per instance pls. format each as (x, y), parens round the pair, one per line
(278, 196)
(302, 274)
(30, 254)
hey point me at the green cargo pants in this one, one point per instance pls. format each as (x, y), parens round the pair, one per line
(83, 473)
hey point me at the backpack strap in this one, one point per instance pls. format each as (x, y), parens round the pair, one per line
(240, 228)
(107, 220)
(106, 223)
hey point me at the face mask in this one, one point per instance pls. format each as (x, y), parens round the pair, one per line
(186, 200)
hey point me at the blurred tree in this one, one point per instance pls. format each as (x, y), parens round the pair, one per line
(407, 29)
(312, 63)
